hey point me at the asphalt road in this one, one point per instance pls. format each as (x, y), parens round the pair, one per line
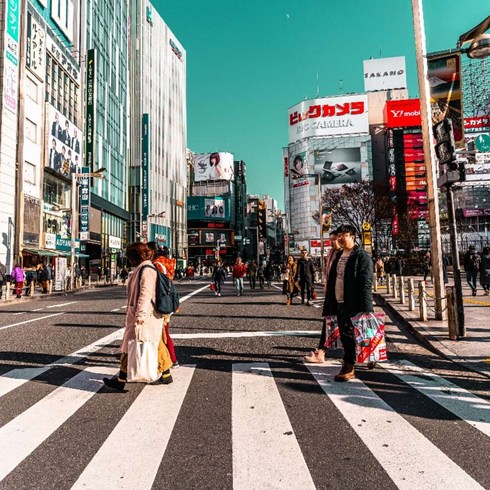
(244, 411)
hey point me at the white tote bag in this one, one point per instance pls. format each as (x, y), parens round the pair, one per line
(142, 358)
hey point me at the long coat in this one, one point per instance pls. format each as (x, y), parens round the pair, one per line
(358, 280)
(141, 297)
(292, 284)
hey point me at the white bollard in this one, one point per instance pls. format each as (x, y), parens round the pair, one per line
(402, 291)
(422, 302)
(395, 287)
(411, 295)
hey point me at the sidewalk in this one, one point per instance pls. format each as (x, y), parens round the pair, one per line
(472, 351)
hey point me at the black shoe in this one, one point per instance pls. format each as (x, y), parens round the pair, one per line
(114, 383)
(163, 381)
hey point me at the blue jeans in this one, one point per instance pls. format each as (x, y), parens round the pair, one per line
(471, 277)
(239, 285)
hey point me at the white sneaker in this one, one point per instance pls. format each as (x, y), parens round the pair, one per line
(219, 294)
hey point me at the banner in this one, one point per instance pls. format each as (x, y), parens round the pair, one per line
(328, 117)
(213, 166)
(90, 110)
(384, 74)
(11, 68)
(85, 205)
(208, 208)
(338, 166)
(35, 47)
(402, 113)
(145, 166)
(444, 74)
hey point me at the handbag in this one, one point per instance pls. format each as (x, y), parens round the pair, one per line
(212, 286)
(369, 329)
(314, 294)
(142, 358)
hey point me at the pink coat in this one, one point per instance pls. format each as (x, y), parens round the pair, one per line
(17, 274)
(141, 294)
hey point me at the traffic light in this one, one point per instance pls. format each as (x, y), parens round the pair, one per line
(451, 169)
(261, 219)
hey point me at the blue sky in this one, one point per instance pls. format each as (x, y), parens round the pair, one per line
(248, 61)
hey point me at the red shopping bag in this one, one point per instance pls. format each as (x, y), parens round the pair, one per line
(333, 333)
(369, 329)
(314, 295)
(212, 286)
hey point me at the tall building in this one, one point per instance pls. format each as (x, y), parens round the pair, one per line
(158, 165)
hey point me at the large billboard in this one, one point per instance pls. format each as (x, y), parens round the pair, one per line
(64, 148)
(385, 73)
(338, 166)
(403, 113)
(208, 208)
(329, 116)
(213, 166)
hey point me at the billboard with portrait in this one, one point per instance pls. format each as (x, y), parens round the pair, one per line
(208, 208)
(213, 166)
(64, 146)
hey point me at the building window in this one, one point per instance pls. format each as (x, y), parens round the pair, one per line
(32, 89)
(29, 173)
(31, 130)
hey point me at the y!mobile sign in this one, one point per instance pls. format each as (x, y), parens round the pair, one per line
(328, 117)
(403, 113)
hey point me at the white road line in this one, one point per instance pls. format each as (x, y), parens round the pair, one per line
(462, 403)
(419, 465)
(62, 304)
(30, 321)
(145, 428)
(266, 453)
(19, 313)
(125, 306)
(227, 335)
(185, 298)
(116, 309)
(17, 377)
(27, 431)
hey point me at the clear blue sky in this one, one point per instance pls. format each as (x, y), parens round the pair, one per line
(249, 60)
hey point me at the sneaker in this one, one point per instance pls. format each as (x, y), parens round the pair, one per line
(114, 383)
(163, 381)
(176, 365)
(219, 294)
(346, 373)
(317, 356)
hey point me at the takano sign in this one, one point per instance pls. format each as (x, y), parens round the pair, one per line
(385, 74)
(402, 113)
(328, 117)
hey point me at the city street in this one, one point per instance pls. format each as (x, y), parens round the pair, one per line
(244, 411)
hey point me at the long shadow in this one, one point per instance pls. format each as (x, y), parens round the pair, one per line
(245, 317)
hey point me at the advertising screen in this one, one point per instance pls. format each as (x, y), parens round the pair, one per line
(64, 149)
(403, 113)
(208, 208)
(338, 166)
(213, 166)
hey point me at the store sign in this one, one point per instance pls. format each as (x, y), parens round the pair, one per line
(72, 68)
(64, 244)
(385, 74)
(35, 47)
(90, 110)
(328, 117)
(472, 124)
(114, 242)
(84, 204)
(50, 241)
(145, 166)
(11, 68)
(403, 113)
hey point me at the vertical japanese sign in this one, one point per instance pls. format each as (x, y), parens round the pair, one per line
(35, 47)
(11, 73)
(85, 205)
(145, 165)
(445, 92)
(90, 110)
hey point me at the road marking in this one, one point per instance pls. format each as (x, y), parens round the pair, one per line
(194, 293)
(116, 309)
(229, 335)
(266, 453)
(30, 321)
(145, 428)
(22, 435)
(125, 306)
(62, 304)
(419, 465)
(38, 309)
(19, 313)
(465, 405)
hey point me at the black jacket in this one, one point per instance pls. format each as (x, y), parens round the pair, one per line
(358, 280)
(305, 271)
(219, 275)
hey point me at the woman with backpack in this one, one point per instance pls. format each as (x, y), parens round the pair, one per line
(142, 319)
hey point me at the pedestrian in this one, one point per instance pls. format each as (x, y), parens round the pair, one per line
(239, 271)
(142, 314)
(305, 275)
(349, 294)
(18, 276)
(268, 274)
(472, 263)
(43, 278)
(123, 275)
(380, 270)
(68, 278)
(218, 278)
(292, 286)
(427, 265)
(260, 276)
(445, 265)
(78, 275)
(83, 274)
(318, 355)
(399, 264)
(107, 274)
(252, 274)
(29, 275)
(2, 280)
(165, 265)
(485, 271)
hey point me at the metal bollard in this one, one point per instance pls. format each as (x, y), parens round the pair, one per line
(7, 291)
(395, 287)
(403, 300)
(89, 281)
(388, 284)
(375, 283)
(422, 302)
(50, 286)
(31, 288)
(452, 318)
(411, 295)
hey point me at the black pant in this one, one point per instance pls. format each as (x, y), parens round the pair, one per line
(252, 282)
(347, 336)
(305, 285)
(323, 336)
(218, 285)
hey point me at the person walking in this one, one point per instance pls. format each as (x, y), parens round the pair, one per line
(318, 355)
(485, 271)
(123, 275)
(218, 278)
(349, 294)
(2, 280)
(18, 277)
(472, 263)
(427, 265)
(379, 268)
(268, 274)
(29, 277)
(239, 271)
(292, 287)
(252, 274)
(141, 313)
(43, 278)
(305, 275)
(260, 276)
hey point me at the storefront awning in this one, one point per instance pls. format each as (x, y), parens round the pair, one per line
(40, 251)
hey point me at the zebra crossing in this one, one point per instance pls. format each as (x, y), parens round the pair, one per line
(266, 445)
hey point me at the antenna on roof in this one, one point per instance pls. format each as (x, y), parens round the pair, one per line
(341, 86)
(317, 86)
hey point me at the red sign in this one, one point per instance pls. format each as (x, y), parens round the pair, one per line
(216, 225)
(286, 167)
(476, 122)
(393, 183)
(318, 243)
(402, 113)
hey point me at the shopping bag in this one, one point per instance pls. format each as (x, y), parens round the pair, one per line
(333, 333)
(142, 358)
(314, 295)
(369, 330)
(212, 286)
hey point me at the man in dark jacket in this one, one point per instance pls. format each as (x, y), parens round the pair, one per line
(305, 275)
(348, 294)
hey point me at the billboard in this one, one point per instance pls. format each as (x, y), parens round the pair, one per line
(90, 109)
(385, 73)
(213, 166)
(35, 47)
(338, 166)
(208, 208)
(403, 113)
(145, 165)
(64, 148)
(328, 116)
